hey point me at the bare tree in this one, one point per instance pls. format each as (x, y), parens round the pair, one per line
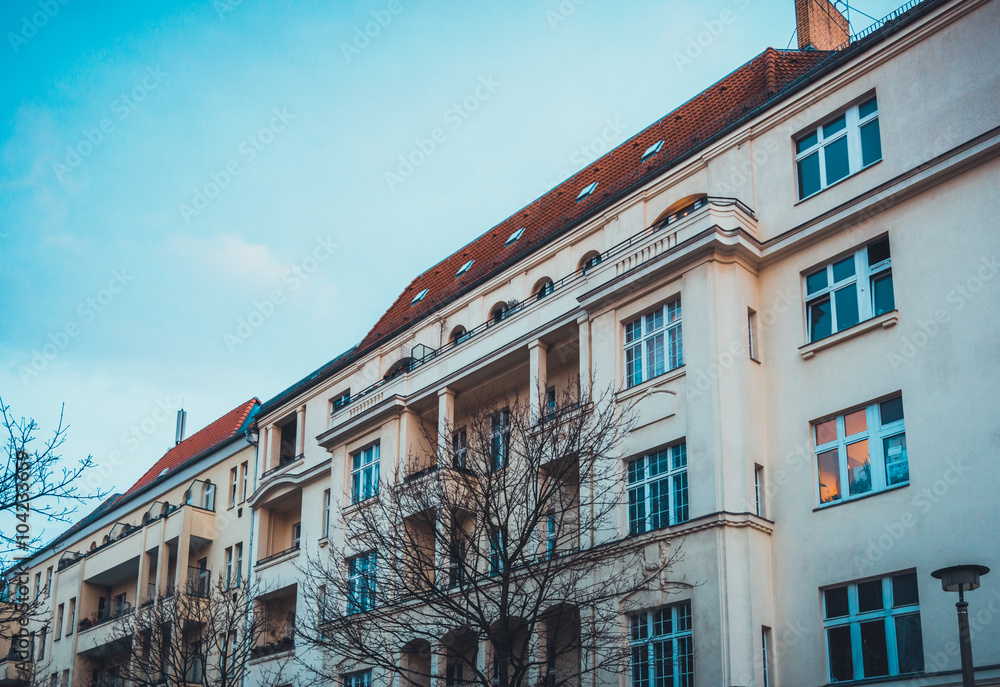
(35, 482)
(199, 633)
(498, 564)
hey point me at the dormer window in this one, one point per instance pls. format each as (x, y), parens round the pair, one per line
(587, 190)
(464, 268)
(419, 297)
(652, 150)
(514, 237)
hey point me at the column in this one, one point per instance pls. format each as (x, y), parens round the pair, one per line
(446, 421)
(300, 431)
(537, 377)
(584, 322)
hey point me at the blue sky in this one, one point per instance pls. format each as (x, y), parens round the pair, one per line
(168, 169)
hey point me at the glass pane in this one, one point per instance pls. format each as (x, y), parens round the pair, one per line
(675, 348)
(806, 143)
(855, 422)
(659, 463)
(829, 476)
(839, 124)
(809, 175)
(663, 622)
(836, 602)
(859, 469)
(865, 109)
(873, 650)
(878, 251)
(897, 469)
(909, 643)
(883, 298)
(816, 281)
(841, 660)
(891, 410)
(633, 365)
(659, 506)
(904, 590)
(673, 311)
(826, 432)
(640, 666)
(633, 330)
(847, 306)
(680, 456)
(637, 510)
(870, 596)
(636, 471)
(680, 498)
(654, 356)
(871, 145)
(843, 269)
(654, 320)
(837, 164)
(820, 320)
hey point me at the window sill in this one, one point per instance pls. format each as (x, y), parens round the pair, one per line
(642, 387)
(836, 183)
(855, 499)
(884, 321)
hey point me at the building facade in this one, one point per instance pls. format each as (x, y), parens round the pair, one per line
(792, 280)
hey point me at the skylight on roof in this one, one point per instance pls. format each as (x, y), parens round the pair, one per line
(464, 268)
(514, 237)
(587, 190)
(419, 297)
(652, 150)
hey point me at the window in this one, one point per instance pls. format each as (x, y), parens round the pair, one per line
(364, 474)
(864, 449)
(514, 237)
(499, 313)
(544, 289)
(551, 536)
(464, 268)
(652, 150)
(59, 621)
(873, 628)
(499, 439)
(660, 645)
(233, 484)
(229, 567)
(459, 446)
(550, 401)
(238, 572)
(758, 489)
(453, 675)
(359, 679)
(657, 489)
(244, 477)
(458, 335)
(497, 551)
(326, 513)
(48, 582)
(41, 642)
(72, 616)
(456, 558)
(587, 190)
(419, 297)
(653, 343)
(296, 535)
(38, 584)
(752, 335)
(765, 655)
(842, 146)
(361, 582)
(849, 291)
(591, 262)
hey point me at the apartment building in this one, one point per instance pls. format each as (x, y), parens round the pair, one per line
(175, 531)
(791, 277)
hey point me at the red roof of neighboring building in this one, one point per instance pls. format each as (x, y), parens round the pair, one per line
(197, 444)
(692, 123)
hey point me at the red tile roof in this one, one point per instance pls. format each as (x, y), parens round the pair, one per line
(198, 444)
(682, 130)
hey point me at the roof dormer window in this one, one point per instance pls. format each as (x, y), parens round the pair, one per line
(464, 268)
(514, 237)
(587, 190)
(652, 150)
(419, 297)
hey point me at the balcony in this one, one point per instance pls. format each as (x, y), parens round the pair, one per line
(283, 462)
(279, 555)
(114, 609)
(199, 582)
(10, 676)
(278, 646)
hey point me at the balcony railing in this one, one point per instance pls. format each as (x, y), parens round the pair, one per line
(422, 354)
(150, 594)
(420, 473)
(114, 609)
(283, 462)
(199, 582)
(276, 647)
(280, 554)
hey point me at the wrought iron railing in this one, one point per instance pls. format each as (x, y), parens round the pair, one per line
(280, 554)
(283, 462)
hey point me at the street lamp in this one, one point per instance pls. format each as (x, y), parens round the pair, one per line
(961, 579)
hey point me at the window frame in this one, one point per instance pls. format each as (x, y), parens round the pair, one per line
(359, 467)
(853, 123)
(327, 504)
(233, 486)
(875, 433)
(862, 280)
(673, 479)
(643, 637)
(361, 582)
(245, 480)
(358, 678)
(639, 336)
(459, 448)
(499, 439)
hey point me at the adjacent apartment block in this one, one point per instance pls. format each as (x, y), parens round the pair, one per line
(791, 280)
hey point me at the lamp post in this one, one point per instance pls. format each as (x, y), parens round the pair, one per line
(961, 579)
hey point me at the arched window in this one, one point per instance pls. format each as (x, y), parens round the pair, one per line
(680, 208)
(93, 545)
(590, 260)
(105, 540)
(543, 288)
(458, 335)
(499, 313)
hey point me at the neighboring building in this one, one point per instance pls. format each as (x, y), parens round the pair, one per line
(803, 259)
(175, 530)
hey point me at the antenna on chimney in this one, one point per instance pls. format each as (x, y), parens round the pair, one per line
(181, 421)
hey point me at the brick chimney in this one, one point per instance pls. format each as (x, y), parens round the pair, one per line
(820, 25)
